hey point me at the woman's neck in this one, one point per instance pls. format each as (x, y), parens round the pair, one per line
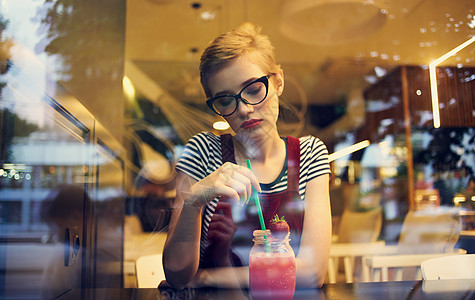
(267, 156)
(259, 150)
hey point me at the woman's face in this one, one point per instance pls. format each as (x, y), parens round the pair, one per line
(248, 120)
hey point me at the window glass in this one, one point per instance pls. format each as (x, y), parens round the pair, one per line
(99, 98)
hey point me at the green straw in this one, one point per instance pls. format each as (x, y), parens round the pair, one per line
(259, 210)
(256, 200)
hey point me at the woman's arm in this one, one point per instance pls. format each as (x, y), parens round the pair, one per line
(226, 277)
(314, 252)
(182, 246)
(181, 253)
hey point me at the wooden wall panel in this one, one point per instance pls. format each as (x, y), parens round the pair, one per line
(456, 91)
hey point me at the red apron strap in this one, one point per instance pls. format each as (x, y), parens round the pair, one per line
(227, 148)
(293, 161)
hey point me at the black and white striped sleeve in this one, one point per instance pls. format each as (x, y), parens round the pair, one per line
(195, 157)
(314, 157)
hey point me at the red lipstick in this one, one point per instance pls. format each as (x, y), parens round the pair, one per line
(251, 123)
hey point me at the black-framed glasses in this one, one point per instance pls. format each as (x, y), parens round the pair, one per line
(252, 94)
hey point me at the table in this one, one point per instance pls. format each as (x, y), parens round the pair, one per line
(138, 245)
(467, 241)
(437, 289)
(350, 251)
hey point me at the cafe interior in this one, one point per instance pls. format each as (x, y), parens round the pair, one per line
(98, 99)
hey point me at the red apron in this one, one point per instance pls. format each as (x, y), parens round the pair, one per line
(286, 203)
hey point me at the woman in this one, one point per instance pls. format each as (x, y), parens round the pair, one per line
(242, 82)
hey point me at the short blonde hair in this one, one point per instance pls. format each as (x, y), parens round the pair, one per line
(245, 39)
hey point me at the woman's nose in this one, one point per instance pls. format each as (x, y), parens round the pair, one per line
(244, 108)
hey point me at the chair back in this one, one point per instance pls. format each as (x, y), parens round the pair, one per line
(430, 231)
(449, 267)
(360, 227)
(149, 271)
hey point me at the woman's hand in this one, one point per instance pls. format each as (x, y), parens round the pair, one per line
(220, 234)
(230, 181)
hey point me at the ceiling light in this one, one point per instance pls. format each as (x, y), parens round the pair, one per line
(196, 5)
(203, 15)
(323, 22)
(380, 72)
(471, 24)
(220, 125)
(128, 88)
(433, 79)
(371, 79)
(208, 15)
(348, 150)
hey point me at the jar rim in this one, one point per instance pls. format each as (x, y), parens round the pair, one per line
(261, 235)
(259, 232)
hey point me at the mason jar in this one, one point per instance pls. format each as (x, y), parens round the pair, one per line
(271, 267)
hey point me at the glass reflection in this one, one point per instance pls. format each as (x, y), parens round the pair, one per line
(62, 180)
(42, 198)
(62, 211)
(56, 56)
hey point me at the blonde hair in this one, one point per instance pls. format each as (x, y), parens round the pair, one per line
(245, 39)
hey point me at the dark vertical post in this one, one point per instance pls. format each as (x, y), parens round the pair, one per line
(407, 126)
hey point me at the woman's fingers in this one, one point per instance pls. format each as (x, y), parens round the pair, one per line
(250, 175)
(231, 181)
(237, 187)
(238, 175)
(224, 209)
(221, 223)
(221, 228)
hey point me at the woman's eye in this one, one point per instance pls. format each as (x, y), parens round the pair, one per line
(254, 89)
(225, 101)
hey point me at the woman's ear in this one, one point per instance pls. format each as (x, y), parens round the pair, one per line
(279, 80)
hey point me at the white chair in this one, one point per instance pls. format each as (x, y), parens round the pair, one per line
(350, 252)
(149, 271)
(357, 236)
(138, 245)
(360, 227)
(380, 265)
(430, 231)
(449, 267)
(424, 235)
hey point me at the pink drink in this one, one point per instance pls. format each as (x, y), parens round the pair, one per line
(272, 275)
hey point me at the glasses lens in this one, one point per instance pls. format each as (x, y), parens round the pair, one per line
(255, 92)
(224, 105)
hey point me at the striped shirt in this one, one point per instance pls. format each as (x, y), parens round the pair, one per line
(202, 156)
